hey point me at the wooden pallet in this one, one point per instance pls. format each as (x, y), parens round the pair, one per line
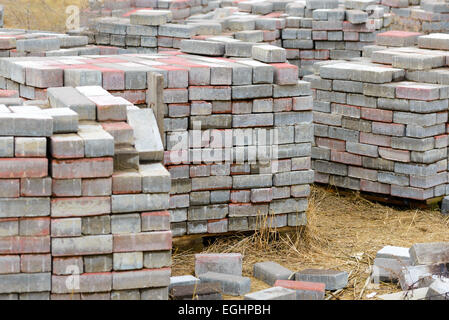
(197, 242)
(389, 199)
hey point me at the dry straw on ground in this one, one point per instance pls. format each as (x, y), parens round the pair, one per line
(343, 232)
(48, 15)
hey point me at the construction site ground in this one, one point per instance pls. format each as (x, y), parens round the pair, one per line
(344, 231)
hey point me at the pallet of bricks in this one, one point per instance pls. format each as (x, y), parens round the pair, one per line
(78, 218)
(428, 16)
(202, 89)
(381, 123)
(238, 135)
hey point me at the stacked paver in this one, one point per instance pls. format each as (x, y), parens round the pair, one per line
(25, 260)
(21, 43)
(310, 30)
(103, 211)
(425, 16)
(253, 115)
(237, 135)
(113, 8)
(380, 125)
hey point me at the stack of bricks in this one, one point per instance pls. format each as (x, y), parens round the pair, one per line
(230, 97)
(238, 135)
(20, 43)
(427, 16)
(380, 124)
(323, 30)
(310, 31)
(25, 190)
(124, 76)
(94, 226)
(181, 9)
(109, 217)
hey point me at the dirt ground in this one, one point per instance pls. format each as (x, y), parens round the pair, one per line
(344, 232)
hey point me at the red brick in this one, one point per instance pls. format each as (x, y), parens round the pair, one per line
(17, 244)
(345, 157)
(23, 168)
(300, 285)
(151, 241)
(417, 92)
(82, 168)
(394, 154)
(285, 73)
(333, 144)
(376, 114)
(113, 79)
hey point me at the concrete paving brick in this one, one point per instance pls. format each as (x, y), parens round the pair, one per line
(304, 290)
(333, 279)
(275, 293)
(230, 284)
(270, 272)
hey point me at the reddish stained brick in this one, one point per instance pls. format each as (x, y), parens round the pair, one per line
(17, 244)
(375, 139)
(337, 145)
(345, 157)
(9, 94)
(151, 241)
(417, 92)
(300, 285)
(376, 114)
(113, 79)
(395, 154)
(285, 73)
(23, 168)
(376, 187)
(82, 168)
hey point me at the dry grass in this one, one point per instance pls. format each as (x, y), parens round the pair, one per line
(343, 232)
(48, 15)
